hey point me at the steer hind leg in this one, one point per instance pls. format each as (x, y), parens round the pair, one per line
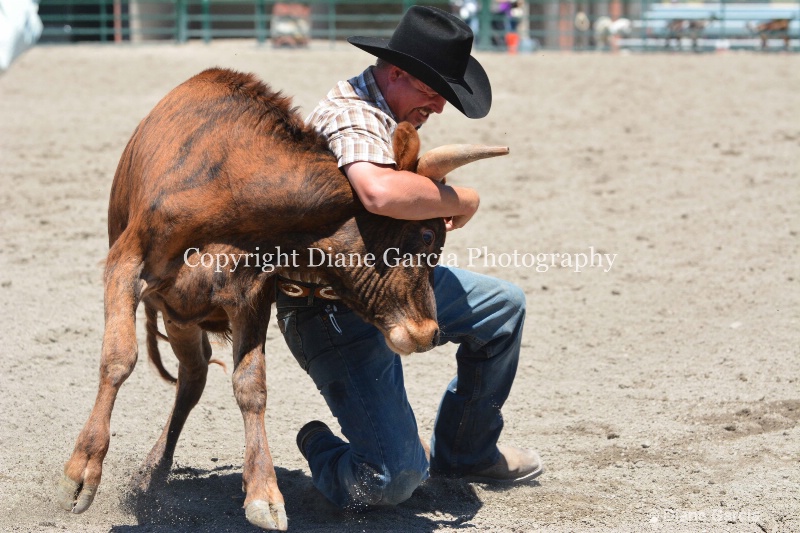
(123, 289)
(264, 504)
(193, 350)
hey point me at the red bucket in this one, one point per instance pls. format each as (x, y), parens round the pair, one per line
(512, 42)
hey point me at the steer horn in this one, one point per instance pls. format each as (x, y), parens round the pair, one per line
(437, 163)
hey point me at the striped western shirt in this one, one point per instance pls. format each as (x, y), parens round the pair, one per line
(356, 121)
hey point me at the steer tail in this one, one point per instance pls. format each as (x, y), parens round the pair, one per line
(153, 353)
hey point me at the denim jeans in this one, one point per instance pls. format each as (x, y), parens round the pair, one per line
(383, 461)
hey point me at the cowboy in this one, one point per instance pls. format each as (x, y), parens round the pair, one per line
(425, 64)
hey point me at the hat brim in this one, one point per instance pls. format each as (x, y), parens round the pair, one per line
(472, 95)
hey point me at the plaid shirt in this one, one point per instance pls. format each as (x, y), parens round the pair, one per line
(356, 121)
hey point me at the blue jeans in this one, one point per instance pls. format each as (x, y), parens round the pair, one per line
(383, 461)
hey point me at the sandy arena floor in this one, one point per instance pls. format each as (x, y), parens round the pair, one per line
(663, 393)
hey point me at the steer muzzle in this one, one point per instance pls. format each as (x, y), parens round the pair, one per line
(413, 337)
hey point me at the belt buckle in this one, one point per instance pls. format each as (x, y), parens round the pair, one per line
(327, 293)
(292, 289)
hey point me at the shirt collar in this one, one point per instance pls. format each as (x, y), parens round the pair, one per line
(366, 87)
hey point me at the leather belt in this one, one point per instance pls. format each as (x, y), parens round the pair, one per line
(295, 289)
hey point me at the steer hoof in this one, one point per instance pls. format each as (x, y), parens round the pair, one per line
(73, 497)
(267, 515)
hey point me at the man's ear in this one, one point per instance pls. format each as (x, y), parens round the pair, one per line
(395, 73)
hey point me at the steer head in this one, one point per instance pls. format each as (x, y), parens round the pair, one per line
(392, 286)
(386, 276)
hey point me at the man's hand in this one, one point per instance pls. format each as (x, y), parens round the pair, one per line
(471, 201)
(451, 223)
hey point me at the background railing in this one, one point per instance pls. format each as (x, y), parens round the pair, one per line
(181, 20)
(547, 24)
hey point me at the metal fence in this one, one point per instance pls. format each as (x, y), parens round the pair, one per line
(513, 26)
(182, 20)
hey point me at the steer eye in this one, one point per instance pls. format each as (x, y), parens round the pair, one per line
(428, 236)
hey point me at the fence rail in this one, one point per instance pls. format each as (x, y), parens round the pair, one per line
(549, 24)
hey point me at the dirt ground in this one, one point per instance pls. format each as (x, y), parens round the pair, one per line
(662, 391)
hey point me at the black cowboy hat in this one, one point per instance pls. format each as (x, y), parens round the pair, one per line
(434, 47)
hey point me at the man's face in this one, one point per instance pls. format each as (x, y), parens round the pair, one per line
(410, 99)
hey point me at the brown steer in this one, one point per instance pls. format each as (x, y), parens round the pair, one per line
(221, 169)
(679, 28)
(773, 28)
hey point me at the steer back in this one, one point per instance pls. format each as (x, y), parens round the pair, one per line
(223, 167)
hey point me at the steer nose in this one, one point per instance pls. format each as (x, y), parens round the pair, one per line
(410, 337)
(435, 339)
(429, 339)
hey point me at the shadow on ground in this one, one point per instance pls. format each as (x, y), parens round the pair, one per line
(195, 500)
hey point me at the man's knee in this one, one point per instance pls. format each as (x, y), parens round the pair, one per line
(510, 320)
(516, 299)
(390, 487)
(513, 311)
(401, 486)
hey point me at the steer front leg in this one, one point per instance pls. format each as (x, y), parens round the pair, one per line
(83, 471)
(264, 504)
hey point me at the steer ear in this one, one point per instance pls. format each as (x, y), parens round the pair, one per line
(406, 147)
(437, 163)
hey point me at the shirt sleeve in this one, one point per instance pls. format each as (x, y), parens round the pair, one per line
(359, 133)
